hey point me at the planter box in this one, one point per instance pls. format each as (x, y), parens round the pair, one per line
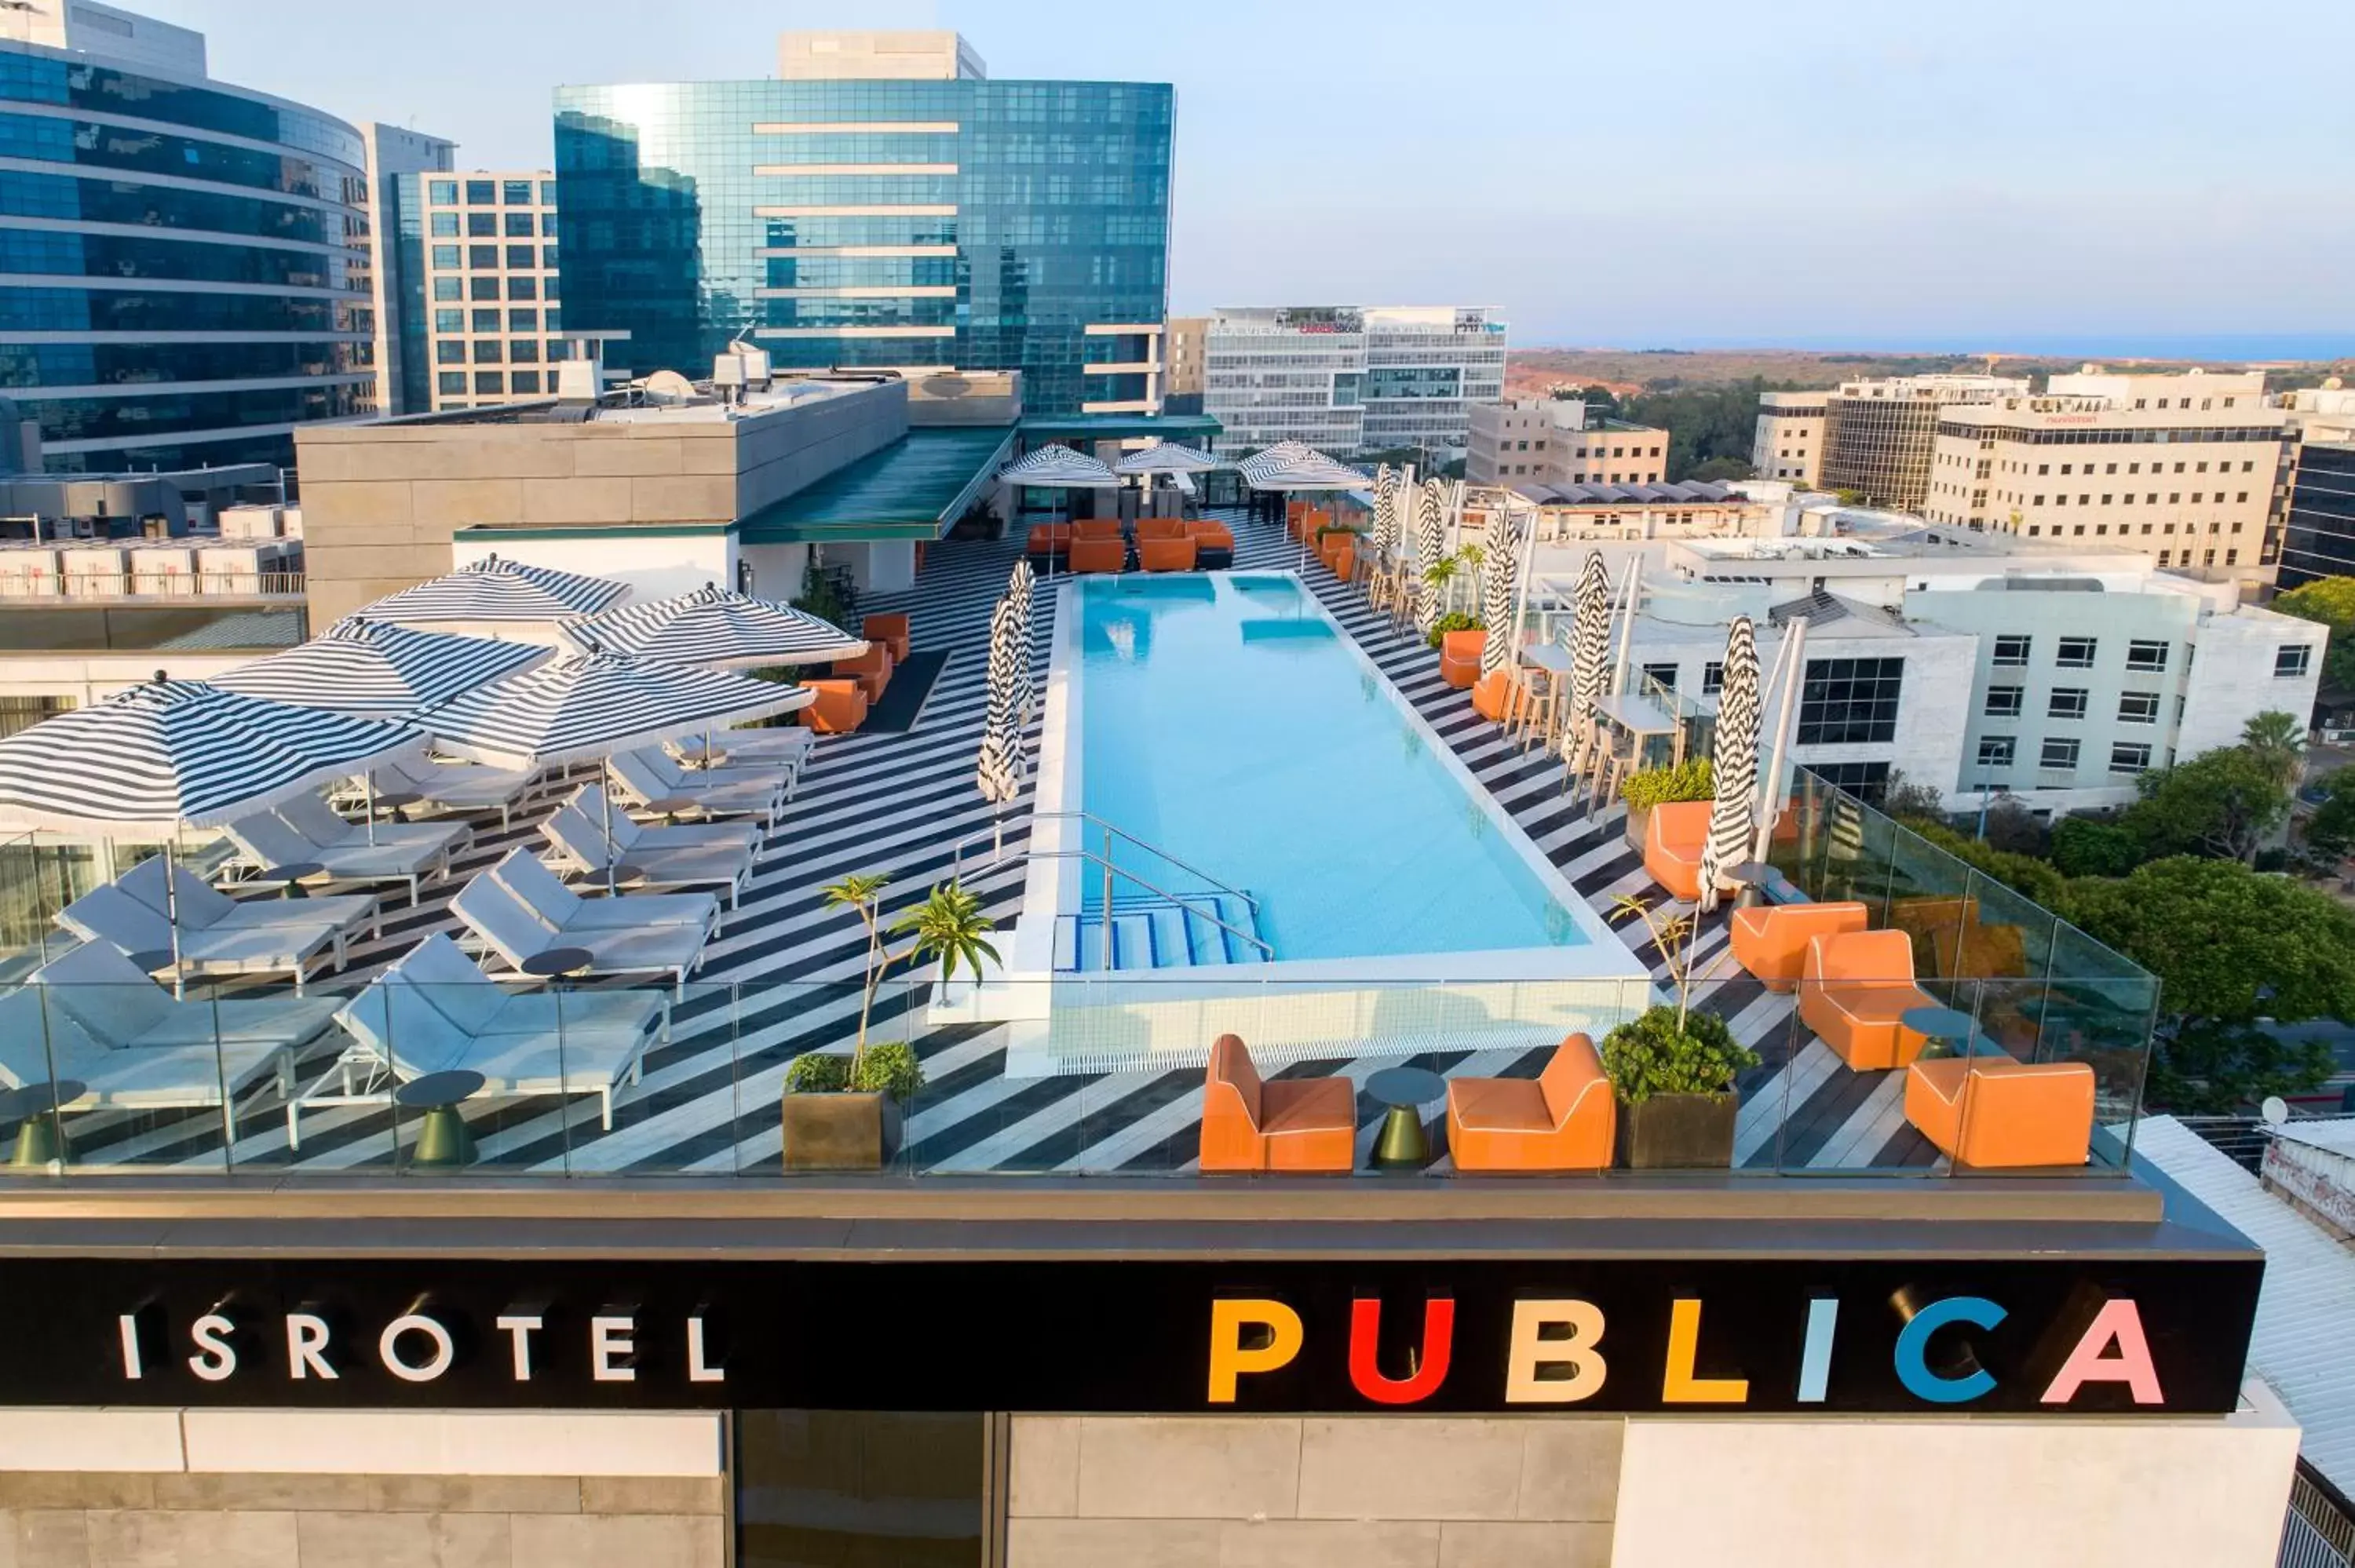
(1638, 823)
(840, 1131)
(1677, 1132)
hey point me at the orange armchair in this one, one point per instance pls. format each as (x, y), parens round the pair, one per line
(871, 670)
(1098, 555)
(1096, 528)
(1564, 1119)
(892, 631)
(1210, 535)
(1994, 1111)
(1293, 1124)
(1853, 990)
(1672, 846)
(1459, 657)
(1165, 555)
(1159, 528)
(841, 707)
(1049, 539)
(1340, 553)
(1492, 696)
(1770, 940)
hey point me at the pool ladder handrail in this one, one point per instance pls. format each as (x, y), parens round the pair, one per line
(1112, 870)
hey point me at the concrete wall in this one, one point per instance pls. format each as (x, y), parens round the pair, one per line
(1348, 1491)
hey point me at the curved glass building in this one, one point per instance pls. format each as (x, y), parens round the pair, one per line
(183, 277)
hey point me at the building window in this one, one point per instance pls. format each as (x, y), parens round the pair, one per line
(487, 351)
(2292, 660)
(445, 258)
(487, 320)
(2006, 701)
(442, 193)
(523, 288)
(523, 351)
(449, 351)
(1996, 751)
(2067, 702)
(515, 192)
(482, 288)
(2058, 756)
(489, 381)
(1865, 780)
(482, 193)
(483, 257)
(523, 255)
(449, 288)
(547, 257)
(1850, 702)
(483, 225)
(548, 193)
(2011, 651)
(1712, 677)
(448, 320)
(830, 1488)
(2145, 655)
(518, 225)
(1666, 675)
(525, 380)
(453, 383)
(445, 225)
(2075, 653)
(2129, 757)
(2139, 708)
(525, 320)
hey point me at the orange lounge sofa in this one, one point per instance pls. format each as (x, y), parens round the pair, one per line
(841, 707)
(1340, 553)
(1210, 535)
(1096, 528)
(1164, 555)
(891, 632)
(1994, 1111)
(1672, 845)
(1564, 1119)
(1049, 539)
(1098, 555)
(1492, 695)
(871, 670)
(1459, 658)
(1770, 940)
(1159, 528)
(1291, 1124)
(1853, 990)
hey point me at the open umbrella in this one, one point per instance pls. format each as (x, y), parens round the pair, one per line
(499, 595)
(715, 628)
(1290, 465)
(588, 705)
(1057, 465)
(1733, 760)
(1166, 456)
(1500, 604)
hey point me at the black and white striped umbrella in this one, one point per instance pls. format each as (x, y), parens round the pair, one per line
(492, 591)
(998, 770)
(1499, 610)
(378, 669)
(1018, 587)
(1056, 464)
(172, 754)
(1166, 456)
(1733, 760)
(1290, 465)
(715, 628)
(1386, 511)
(586, 705)
(1590, 652)
(1430, 544)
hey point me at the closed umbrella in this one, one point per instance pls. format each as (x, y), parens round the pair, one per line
(1590, 649)
(715, 628)
(1733, 761)
(1386, 521)
(997, 771)
(496, 596)
(1500, 604)
(1430, 544)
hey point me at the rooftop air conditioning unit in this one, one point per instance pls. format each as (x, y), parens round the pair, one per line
(576, 381)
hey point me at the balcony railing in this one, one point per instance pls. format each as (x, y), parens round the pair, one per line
(138, 587)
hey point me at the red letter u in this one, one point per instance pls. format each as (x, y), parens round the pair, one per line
(1365, 1338)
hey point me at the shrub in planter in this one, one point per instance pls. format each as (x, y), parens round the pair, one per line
(1457, 621)
(1675, 1084)
(1691, 779)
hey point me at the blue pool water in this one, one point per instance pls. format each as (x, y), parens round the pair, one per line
(1222, 719)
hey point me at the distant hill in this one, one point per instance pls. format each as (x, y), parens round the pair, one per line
(1531, 372)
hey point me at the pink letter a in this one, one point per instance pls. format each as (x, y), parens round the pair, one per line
(2117, 1320)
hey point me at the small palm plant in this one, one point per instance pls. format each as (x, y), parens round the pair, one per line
(863, 892)
(949, 925)
(1672, 933)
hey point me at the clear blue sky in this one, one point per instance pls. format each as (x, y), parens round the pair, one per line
(2074, 174)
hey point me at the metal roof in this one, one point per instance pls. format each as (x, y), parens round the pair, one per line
(1691, 491)
(914, 488)
(2300, 1344)
(1191, 430)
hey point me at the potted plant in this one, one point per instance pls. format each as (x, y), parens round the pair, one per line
(1454, 620)
(843, 1113)
(1672, 1069)
(1690, 779)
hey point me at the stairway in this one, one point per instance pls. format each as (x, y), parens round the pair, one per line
(1154, 933)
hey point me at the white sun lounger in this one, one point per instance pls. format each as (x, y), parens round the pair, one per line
(217, 935)
(434, 1010)
(445, 787)
(518, 909)
(296, 833)
(768, 746)
(650, 777)
(698, 854)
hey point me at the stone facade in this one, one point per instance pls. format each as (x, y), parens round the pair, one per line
(1308, 1491)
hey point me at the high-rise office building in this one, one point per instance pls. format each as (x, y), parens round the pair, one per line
(489, 327)
(1876, 434)
(2319, 539)
(1560, 441)
(883, 206)
(396, 260)
(1351, 378)
(183, 277)
(1789, 443)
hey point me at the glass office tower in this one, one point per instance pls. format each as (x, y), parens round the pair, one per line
(180, 276)
(963, 224)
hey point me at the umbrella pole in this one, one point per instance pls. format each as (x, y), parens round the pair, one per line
(172, 911)
(605, 799)
(370, 776)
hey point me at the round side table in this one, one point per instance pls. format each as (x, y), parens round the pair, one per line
(396, 801)
(290, 877)
(1402, 1145)
(444, 1141)
(1949, 1029)
(40, 1123)
(554, 963)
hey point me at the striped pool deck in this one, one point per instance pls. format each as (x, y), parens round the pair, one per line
(782, 977)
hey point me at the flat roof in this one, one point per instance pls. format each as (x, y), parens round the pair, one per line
(1176, 428)
(914, 488)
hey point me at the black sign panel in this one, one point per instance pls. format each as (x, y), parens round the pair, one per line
(1724, 1335)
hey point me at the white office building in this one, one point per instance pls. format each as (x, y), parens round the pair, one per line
(1348, 379)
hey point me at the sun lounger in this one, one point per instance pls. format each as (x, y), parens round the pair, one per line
(217, 934)
(518, 909)
(786, 745)
(649, 777)
(448, 786)
(91, 1017)
(403, 852)
(434, 1012)
(698, 854)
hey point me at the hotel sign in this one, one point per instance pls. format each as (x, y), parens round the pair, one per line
(2017, 1336)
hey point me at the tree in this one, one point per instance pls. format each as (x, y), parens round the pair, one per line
(2278, 742)
(2331, 601)
(2012, 827)
(2091, 847)
(2219, 804)
(2230, 948)
(1719, 470)
(2331, 829)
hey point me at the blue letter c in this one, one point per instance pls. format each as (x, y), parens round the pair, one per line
(1913, 1343)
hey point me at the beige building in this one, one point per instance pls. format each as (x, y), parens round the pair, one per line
(1551, 441)
(877, 56)
(393, 152)
(493, 315)
(1790, 440)
(1878, 432)
(1186, 334)
(2184, 469)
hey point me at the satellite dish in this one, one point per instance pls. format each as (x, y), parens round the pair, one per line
(668, 386)
(2275, 1110)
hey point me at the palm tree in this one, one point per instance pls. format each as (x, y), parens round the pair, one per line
(949, 926)
(863, 892)
(2278, 743)
(1672, 933)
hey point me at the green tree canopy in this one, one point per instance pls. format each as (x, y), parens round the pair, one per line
(2089, 846)
(2331, 603)
(2331, 829)
(2278, 740)
(2230, 948)
(2219, 804)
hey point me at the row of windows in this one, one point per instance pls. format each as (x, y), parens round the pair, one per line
(90, 199)
(127, 363)
(2097, 436)
(90, 144)
(491, 257)
(491, 225)
(62, 253)
(459, 383)
(518, 286)
(2062, 756)
(2248, 465)
(123, 310)
(492, 193)
(102, 418)
(491, 321)
(494, 350)
(77, 84)
(2070, 703)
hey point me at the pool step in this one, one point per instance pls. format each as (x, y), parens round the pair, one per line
(1150, 933)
